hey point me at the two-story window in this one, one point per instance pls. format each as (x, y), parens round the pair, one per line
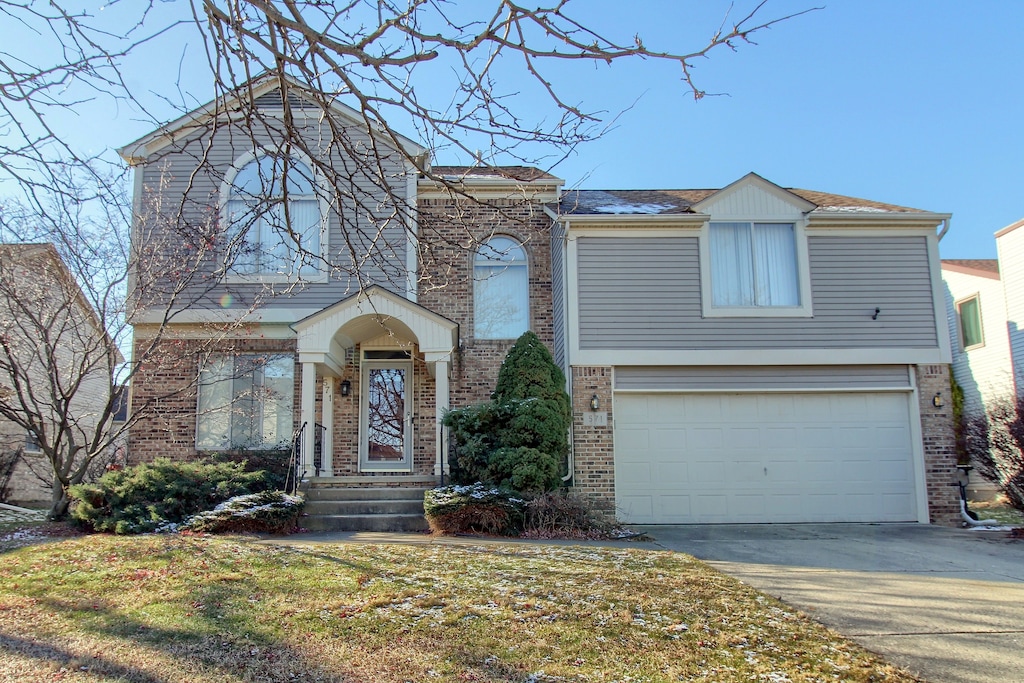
(501, 290)
(245, 401)
(756, 269)
(273, 216)
(968, 313)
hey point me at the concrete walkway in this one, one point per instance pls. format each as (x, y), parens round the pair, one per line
(947, 604)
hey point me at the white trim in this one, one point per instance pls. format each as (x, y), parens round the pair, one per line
(939, 301)
(917, 443)
(690, 229)
(976, 297)
(572, 305)
(211, 324)
(803, 265)
(407, 419)
(789, 356)
(412, 234)
(861, 231)
(860, 217)
(222, 108)
(773, 390)
(799, 204)
(624, 222)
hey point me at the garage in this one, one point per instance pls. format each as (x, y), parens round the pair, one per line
(755, 456)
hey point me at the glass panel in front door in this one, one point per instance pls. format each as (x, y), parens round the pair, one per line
(386, 416)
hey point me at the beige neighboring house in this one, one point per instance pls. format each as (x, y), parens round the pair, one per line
(985, 311)
(39, 296)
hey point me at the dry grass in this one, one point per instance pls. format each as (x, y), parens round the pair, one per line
(188, 608)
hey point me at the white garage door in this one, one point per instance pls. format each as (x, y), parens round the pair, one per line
(749, 458)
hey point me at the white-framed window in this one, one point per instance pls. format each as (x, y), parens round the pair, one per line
(273, 218)
(501, 289)
(755, 269)
(968, 314)
(246, 401)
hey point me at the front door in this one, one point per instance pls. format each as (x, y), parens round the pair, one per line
(385, 436)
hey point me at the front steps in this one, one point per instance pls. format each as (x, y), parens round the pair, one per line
(331, 508)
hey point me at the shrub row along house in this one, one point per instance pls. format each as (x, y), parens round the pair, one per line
(746, 354)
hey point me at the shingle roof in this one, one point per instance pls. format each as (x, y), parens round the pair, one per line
(524, 174)
(660, 202)
(981, 265)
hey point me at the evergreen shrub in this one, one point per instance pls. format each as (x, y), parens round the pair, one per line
(152, 495)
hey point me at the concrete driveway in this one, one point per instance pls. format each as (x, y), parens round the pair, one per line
(947, 604)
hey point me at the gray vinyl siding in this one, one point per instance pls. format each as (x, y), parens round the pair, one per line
(558, 292)
(181, 192)
(645, 293)
(798, 377)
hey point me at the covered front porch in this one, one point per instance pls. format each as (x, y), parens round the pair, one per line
(374, 387)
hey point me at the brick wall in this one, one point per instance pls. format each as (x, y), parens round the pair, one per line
(164, 393)
(939, 444)
(594, 459)
(453, 228)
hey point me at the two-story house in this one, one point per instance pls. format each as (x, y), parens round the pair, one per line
(746, 354)
(985, 307)
(57, 364)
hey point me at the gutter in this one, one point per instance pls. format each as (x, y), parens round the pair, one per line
(945, 227)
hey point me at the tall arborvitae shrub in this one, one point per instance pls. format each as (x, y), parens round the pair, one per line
(520, 439)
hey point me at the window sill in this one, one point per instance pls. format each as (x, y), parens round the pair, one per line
(274, 278)
(760, 312)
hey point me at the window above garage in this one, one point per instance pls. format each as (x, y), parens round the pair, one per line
(754, 269)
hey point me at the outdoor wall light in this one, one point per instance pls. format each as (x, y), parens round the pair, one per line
(937, 400)
(345, 387)
(595, 402)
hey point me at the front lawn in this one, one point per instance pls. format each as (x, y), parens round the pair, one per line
(193, 608)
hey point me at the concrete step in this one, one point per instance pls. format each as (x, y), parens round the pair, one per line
(317, 493)
(406, 522)
(384, 508)
(389, 506)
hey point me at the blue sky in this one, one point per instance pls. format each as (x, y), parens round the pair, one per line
(912, 102)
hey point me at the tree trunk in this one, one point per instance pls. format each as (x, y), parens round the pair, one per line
(59, 503)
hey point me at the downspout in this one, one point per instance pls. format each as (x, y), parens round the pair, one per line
(566, 346)
(945, 229)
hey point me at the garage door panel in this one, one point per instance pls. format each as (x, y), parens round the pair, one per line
(671, 472)
(669, 439)
(764, 458)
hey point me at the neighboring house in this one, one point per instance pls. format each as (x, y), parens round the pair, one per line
(745, 354)
(985, 309)
(51, 344)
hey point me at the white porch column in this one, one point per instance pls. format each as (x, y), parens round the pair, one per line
(308, 417)
(441, 401)
(327, 419)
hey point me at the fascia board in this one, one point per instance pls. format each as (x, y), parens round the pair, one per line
(138, 151)
(754, 179)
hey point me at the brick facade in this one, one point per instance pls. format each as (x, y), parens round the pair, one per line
(446, 280)
(939, 444)
(164, 393)
(593, 447)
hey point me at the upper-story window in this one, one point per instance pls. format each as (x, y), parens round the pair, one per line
(968, 312)
(501, 290)
(755, 268)
(274, 219)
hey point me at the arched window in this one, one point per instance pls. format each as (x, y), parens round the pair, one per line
(273, 218)
(501, 290)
